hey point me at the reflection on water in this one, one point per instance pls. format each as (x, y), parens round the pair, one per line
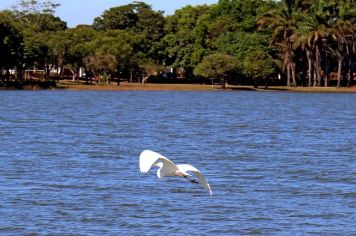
(278, 163)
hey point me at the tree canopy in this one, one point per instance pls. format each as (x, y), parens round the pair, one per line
(217, 66)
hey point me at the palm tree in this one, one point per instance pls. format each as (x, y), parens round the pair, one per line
(342, 36)
(283, 23)
(339, 47)
(351, 46)
(326, 30)
(311, 34)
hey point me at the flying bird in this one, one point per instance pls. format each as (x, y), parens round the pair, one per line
(167, 168)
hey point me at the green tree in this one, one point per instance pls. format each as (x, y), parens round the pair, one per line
(11, 40)
(120, 18)
(241, 43)
(38, 25)
(38, 16)
(117, 44)
(140, 19)
(258, 65)
(230, 27)
(217, 66)
(76, 45)
(29, 7)
(101, 65)
(229, 17)
(181, 48)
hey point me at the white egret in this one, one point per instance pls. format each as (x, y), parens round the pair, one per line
(168, 168)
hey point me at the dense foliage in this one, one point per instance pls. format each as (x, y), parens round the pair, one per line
(291, 42)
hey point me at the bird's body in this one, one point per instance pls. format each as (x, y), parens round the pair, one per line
(168, 168)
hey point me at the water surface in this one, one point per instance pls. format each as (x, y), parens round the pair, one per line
(278, 163)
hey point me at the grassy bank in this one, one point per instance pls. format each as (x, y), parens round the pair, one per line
(124, 86)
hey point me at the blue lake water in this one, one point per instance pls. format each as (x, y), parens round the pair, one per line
(278, 163)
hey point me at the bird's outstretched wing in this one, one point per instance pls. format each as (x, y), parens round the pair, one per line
(189, 168)
(148, 158)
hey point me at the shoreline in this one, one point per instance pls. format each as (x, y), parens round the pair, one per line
(70, 85)
(125, 86)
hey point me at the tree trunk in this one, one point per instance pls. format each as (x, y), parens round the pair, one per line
(255, 82)
(61, 71)
(223, 83)
(7, 75)
(351, 70)
(293, 74)
(47, 72)
(339, 71)
(286, 66)
(73, 75)
(317, 65)
(349, 67)
(310, 68)
(326, 72)
(315, 79)
(288, 74)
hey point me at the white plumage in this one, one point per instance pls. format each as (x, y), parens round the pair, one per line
(168, 168)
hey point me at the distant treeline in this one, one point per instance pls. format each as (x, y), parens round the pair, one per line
(293, 43)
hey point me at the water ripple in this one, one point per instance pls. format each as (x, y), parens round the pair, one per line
(278, 163)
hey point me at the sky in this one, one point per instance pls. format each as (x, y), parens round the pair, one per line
(76, 12)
